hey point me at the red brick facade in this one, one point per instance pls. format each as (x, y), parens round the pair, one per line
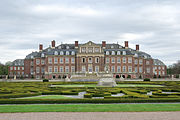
(67, 59)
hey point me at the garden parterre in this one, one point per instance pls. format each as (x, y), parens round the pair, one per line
(9, 92)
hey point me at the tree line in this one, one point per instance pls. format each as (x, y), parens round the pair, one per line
(174, 69)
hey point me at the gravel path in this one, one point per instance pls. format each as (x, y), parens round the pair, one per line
(92, 116)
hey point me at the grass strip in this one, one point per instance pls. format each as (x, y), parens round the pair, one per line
(90, 108)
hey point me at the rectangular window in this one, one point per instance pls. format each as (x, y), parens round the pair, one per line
(136, 69)
(37, 61)
(37, 70)
(112, 60)
(67, 60)
(147, 62)
(163, 73)
(83, 49)
(18, 68)
(97, 68)
(50, 60)
(61, 60)
(118, 69)
(97, 49)
(72, 60)
(112, 69)
(42, 62)
(129, 59)
(67, 69)
(61, 69)
(55, 60)
(130, 68)
(50, 69)
(55, 69)
(124, 59)
(14, 68)
(83, 68)
(42, 70)
(124, 68)
(107, 60)
(90, 49)
(22, 68)
(148, 70)
(72, 69)
(11, 68)
(140, 61)
(118, 60)
(32, 71)
(135, 61)
(140, 70)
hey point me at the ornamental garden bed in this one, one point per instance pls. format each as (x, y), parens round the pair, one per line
(82, 92)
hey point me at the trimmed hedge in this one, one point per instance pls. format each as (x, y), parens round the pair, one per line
(19, 95)
(63, 101)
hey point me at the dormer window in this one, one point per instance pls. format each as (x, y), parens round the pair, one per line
(61, 53)
(135, 55)
(118, 53)
(107, 52)
(42, 55)
(67, 47)
(120, 46)
(112, 47)
(59, 47)
(124, 52)
(72, 53)
(32, 57)
(55, 53)
(113, 53)
(49, 50)
(67, 52)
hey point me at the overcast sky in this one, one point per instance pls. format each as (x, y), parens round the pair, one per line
(154, 24)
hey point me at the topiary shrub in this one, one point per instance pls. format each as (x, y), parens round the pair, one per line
(87, 96)
(45, 80)
(140, 77)
(147, 79)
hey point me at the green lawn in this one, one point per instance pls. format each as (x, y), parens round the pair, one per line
(90, 108)
(48, 97)
(119, 85)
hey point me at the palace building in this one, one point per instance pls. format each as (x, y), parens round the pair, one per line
(66, 60)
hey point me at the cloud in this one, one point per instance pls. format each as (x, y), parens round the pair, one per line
(152, 24)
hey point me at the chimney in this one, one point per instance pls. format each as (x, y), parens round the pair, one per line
(126, 44)
(137, 47)
(53, 44)
(76, 44)
(40, 47)
(104, 44)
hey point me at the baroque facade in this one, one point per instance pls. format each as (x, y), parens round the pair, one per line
(66, 60)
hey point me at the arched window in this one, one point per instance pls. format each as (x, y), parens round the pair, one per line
(61, 53)
(67, 52)
(113, 53)
(107, 52)
(72, 53)
(42, 55)
(124, 52)
(55, 53)
(118, 53)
